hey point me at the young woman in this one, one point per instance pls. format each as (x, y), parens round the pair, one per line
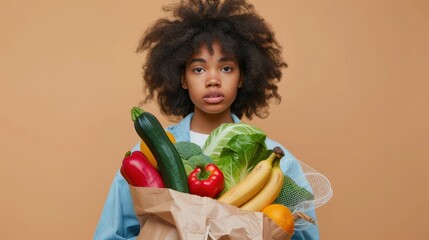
(212, 62)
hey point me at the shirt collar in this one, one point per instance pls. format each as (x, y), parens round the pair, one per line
(182, 129)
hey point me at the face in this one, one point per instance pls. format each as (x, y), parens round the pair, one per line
(212, 80)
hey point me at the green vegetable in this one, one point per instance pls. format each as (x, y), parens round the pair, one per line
(292, 194)
(222, 134)
(236, 148)
(169, 162)
(200, 159)
(187, 149)
(191, 155)
(188, 168)
(194, 161)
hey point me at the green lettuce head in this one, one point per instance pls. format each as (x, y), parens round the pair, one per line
(236, 148)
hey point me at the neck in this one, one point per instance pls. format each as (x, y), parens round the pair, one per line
(205, 123)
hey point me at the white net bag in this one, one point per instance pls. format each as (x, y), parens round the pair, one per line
(304, 192)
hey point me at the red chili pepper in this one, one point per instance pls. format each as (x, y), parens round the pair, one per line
(206, 181)
(139, 172)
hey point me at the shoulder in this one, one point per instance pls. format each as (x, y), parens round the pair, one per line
(273, 143)
(181, 130)
(289, 163)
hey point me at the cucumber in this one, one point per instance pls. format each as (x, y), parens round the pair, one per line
(170, 164)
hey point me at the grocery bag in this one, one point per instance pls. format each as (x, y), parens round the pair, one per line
(166, 214)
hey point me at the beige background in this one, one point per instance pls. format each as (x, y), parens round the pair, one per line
(355, 101)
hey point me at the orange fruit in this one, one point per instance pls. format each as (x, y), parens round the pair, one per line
(145, 149)
(281, 215)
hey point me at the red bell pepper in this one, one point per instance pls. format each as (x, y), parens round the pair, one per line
(139, 172)
(206, 181)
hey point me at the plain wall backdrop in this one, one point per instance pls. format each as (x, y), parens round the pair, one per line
(354, 107)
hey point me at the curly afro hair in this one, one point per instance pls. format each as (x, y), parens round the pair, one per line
(171, 41)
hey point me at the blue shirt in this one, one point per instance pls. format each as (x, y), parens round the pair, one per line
(118, 220)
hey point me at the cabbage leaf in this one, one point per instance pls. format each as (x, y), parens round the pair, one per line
(222, 134)
(236, 148)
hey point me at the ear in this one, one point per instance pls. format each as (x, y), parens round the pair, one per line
(184, 83)
(240, 83)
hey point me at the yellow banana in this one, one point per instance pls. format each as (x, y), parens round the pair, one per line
(268, 193)
(253, 182)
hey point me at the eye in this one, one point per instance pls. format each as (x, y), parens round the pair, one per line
(226, 69)
(198, 70)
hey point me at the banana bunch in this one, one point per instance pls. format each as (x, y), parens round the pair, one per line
(260, 187)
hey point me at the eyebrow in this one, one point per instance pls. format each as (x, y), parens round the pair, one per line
(222, 59)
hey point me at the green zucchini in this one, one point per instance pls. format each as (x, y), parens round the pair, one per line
(170, 164)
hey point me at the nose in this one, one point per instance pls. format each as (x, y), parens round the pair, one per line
(213, 80)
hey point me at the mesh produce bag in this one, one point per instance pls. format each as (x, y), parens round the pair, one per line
(304, 192)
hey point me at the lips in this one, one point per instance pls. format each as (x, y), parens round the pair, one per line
(213, 98)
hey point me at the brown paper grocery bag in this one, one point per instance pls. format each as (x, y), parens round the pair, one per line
(167, 214)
